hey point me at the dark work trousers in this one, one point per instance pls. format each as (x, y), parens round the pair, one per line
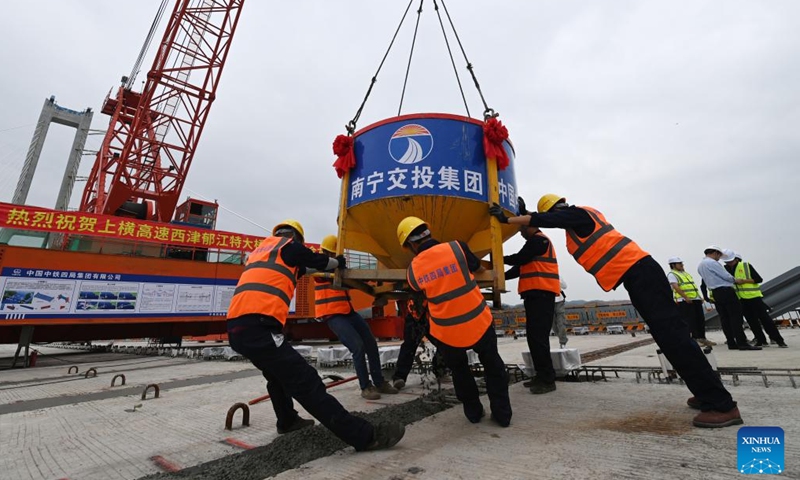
(754, 322)
(413, 332)
(695, 317)
(354, 333)
(730, 314)
(455, 358)
(539, 309)
(651, 295)
(756, 308)
(260, 339)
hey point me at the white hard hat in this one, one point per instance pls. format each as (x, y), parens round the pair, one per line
(713, 247)
(674, 260)
(728, 255)
(738, 255)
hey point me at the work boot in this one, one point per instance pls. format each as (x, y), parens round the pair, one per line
(782, 344)
(747, 346)
(387, 387)
(474, 414)
(298, 424)
(386, 435)
(539, 386)
(502, 423)
(370, 393)
(694, 403)
(715, 419)
(399, 383)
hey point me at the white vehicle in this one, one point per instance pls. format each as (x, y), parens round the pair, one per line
(580, 331)
(615, 329)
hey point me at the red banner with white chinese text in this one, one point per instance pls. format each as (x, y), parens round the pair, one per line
(24, 217)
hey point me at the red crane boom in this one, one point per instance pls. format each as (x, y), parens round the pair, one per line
(153, 135)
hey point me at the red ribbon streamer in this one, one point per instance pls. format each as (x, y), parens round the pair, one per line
(494, 134)
(346, 159)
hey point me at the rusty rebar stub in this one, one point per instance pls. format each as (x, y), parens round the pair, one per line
(70, 369)
(155, 389)
(92, 370)
(232, 411)
(114, 380)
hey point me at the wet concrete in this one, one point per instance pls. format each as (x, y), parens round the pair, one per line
(295, 449)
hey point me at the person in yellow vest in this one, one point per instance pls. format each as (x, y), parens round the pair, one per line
(755, 310)
(459, 317)
(333, 305)
(256, 317)
(614, 259)
(537, 269)
(690, 303)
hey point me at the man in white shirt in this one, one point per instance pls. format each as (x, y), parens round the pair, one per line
(721, 283)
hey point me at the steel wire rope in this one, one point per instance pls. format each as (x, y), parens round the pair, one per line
(351, 126)
(488, 112)
(450, 53)
(410, 55)
(17, 127)
(203, 197)
(146, 45)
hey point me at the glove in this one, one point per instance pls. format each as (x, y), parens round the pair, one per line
(521, 210)
(497, 211)
(342, 262)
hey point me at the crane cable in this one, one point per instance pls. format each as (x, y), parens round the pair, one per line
(410, 55)
(351, 126)
(487, 112)
(146, 45)
(450, 53)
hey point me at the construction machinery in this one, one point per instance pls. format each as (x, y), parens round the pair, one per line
(129, 264)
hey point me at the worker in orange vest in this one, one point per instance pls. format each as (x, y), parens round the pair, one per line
(256, 317)
(459, 317)
(614, 260)
(332, 304)
(537, 269)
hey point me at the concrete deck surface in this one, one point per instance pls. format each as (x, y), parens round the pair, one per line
(54, 425)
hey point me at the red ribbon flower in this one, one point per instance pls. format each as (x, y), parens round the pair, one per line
(343, 149)
(494, 134)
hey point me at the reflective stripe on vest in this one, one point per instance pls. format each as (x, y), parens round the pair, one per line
(458, 313)
(330, 300)
(685, 283)
(746, 291)
(541, 273)
(267, 284)
(606, 253)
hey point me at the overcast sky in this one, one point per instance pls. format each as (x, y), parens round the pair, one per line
(678, 120)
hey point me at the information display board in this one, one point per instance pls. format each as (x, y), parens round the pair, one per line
(26, 293)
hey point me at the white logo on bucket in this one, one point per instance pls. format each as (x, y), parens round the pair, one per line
(410, 144)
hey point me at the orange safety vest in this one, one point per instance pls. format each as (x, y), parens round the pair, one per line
(329, 300)
(541, 273)
(606, 253)
(267, 284)
(458, 313)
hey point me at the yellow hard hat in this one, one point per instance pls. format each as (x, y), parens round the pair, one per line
(406, 226)
(547, 201)
(291, 224)
(329, 244)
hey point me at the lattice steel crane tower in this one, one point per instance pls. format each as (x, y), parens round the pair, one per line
(152, 136)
